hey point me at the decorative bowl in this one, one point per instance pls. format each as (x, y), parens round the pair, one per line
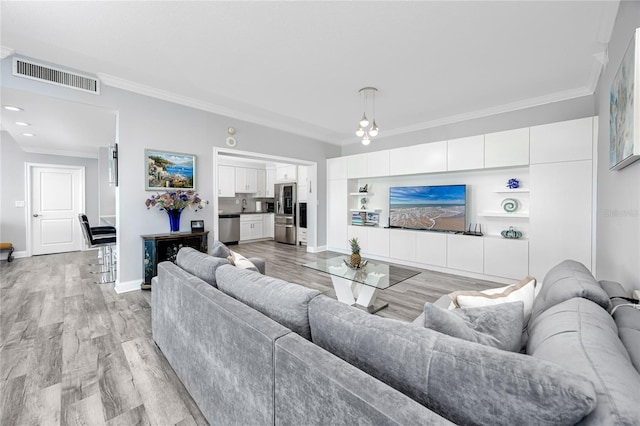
(362, 264)
(511, 233)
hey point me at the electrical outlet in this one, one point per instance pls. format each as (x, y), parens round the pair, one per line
(636, 294)
(19, 203)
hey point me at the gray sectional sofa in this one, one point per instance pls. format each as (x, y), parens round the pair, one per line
(254, 350)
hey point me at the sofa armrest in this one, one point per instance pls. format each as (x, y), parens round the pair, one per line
(315, 387)
(259, 263)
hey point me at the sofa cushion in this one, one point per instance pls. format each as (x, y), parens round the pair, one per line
(219, 250)
(565, 281)
(284, 302)
(581, 337)
(498, 326)
(464, 382)
(199, 264)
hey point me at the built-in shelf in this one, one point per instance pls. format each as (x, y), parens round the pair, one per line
(500, 237)
(504, 214)
(366, 210)
(361, 193)
(511, 191)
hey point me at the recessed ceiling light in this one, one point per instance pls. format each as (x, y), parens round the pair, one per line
(28, 134)
(22, 123)
(12, 108)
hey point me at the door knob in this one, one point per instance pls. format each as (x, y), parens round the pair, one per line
(36, 215)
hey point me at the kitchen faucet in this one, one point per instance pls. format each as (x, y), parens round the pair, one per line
(244, 204)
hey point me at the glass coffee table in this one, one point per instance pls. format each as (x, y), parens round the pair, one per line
(361, 286)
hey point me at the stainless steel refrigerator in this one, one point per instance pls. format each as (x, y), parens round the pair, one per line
(285, 219)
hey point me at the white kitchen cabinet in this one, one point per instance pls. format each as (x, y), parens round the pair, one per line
(268, 225)
(507, 258)
(465, 153)
(246, 180)
(286, 173)
(424, 158)
(226, 181)
(431, 248)
(565, 141)
(465, 252)
(270, 182)
(504, 149)
(302, 184)
(251, 227)
(262, 183)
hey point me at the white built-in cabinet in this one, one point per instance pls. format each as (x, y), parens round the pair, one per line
(226, 181)
(268, 227)
(246, 180)
(424, 158)
(465, 153)
(261, 183)
(557, 201)
(504, 149)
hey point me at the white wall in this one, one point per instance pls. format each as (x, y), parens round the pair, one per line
(13, 187)
(618, 205)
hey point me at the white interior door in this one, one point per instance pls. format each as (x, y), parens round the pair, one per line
(57, 197)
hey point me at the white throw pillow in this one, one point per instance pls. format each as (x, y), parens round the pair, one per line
(239, 260)
(522, 291)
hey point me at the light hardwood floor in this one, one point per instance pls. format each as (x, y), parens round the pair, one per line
(76, 353)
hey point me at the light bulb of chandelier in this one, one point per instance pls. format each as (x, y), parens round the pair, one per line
(360, 132)
(364, 121)
(373, 131)
(366, 140)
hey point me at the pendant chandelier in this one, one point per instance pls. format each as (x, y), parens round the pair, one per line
(367, 129)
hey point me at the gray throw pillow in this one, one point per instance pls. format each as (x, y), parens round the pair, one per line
(499, 326)
(220, 250)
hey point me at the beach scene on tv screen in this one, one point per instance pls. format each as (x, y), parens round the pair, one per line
(438, 208)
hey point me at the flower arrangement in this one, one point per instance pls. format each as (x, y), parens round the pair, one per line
(175, 200)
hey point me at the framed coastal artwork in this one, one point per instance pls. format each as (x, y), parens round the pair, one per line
(624, 109)
(169, 170)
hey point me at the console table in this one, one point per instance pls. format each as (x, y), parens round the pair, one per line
(160, 247)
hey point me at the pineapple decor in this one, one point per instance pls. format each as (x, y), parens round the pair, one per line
(355, 253)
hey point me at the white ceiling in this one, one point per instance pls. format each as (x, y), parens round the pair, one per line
(298, 66)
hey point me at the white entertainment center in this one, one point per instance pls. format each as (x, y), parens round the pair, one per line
(553, 162)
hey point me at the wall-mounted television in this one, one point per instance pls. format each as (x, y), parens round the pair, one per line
(436, 208)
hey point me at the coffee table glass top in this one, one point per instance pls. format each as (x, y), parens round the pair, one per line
(379, 275)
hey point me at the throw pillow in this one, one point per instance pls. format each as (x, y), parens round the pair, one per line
(498, 326)
(523, 291)
(219, 250)
(236, 259)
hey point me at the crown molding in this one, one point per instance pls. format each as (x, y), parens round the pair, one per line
(64, 153)
(600, 61)
(141, 89)
(487, 112)
(6, 51)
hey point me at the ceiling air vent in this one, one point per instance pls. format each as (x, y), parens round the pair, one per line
(45, 73)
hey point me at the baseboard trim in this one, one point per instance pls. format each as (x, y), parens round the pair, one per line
(127, 286)
(16, 254)
(316, 249)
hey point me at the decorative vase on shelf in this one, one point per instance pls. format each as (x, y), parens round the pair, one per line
(174, 219)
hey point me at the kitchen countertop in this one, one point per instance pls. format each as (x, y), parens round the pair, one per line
(227, 213)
